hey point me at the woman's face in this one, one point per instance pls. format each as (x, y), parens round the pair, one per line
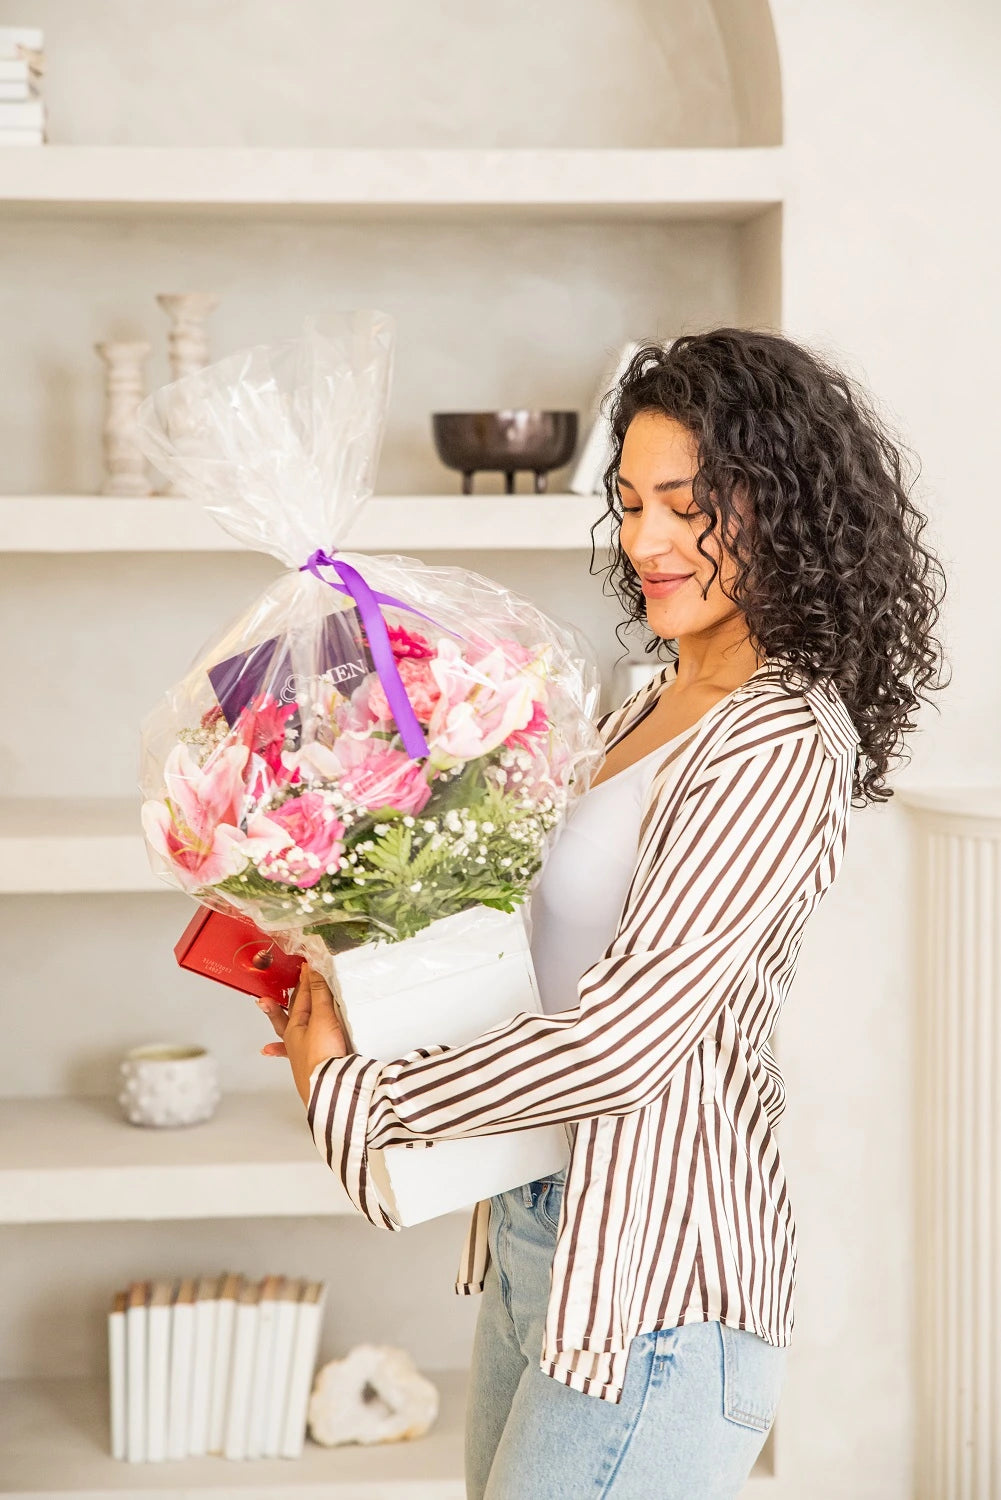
(661, 525)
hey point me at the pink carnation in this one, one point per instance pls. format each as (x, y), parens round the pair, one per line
(406, 643)
(357, 715)
(314, 841)
(421, 689)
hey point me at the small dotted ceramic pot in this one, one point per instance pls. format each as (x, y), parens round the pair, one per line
(168, 1084)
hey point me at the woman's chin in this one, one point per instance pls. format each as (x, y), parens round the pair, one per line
(664, 621)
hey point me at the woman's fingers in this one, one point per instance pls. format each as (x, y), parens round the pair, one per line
(302, 1000)
(275, 1014)
(274, 1049)
(324, 1022)
(321, 1001)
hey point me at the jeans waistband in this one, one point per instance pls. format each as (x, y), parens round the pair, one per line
(530, 1190)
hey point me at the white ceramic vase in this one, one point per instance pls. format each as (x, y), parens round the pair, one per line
(168, 1084)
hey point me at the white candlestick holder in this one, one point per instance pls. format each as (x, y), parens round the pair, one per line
(124, 464)
(187, 336)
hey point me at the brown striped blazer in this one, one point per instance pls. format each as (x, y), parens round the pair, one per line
(675, 1206)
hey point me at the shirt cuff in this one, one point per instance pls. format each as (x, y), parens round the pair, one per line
(340, 1103)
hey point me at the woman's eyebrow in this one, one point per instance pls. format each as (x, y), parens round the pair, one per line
(662, 487)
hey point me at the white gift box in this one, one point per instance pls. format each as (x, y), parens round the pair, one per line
(456, 979)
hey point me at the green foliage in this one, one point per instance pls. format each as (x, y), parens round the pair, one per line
(472, 844)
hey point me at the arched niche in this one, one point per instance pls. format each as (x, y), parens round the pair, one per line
(569, 73)
(721, 56)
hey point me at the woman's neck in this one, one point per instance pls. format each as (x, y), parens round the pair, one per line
(726, 658)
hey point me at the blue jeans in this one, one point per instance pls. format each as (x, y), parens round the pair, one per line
(696, 1407)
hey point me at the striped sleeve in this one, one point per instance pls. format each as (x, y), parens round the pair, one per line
(748, 837)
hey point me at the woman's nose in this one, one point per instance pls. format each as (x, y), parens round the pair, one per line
(652, 530)
(652, 539)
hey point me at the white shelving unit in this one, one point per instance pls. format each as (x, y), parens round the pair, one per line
(387, 523)
(72, 1160)
(705, 183)
(67, 847)
(54, 1439)
(69, 1160)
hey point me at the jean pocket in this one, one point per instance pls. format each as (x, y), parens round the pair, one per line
(753, 1371)
(549, 1204)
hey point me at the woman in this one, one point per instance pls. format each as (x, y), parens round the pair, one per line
(637, 1307)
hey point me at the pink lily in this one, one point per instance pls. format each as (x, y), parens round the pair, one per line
(196, 829)
(481, 703)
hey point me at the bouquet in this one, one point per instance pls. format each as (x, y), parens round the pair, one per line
(311, 814)
(376, 745)
(370, 763)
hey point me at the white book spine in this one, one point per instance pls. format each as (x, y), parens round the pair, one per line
(27, 115)
(238, 1407)
(117, 1375)
(135, 1339)
(286, 1309)
(15, 41)
(264, 1354)
(22, 138)
(11, 90)
(206, 1309)
(157, 1371)
(306, 1343)
(222, 1361)
(182, 1336)
(17, 70)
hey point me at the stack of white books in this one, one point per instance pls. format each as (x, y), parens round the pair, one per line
(22, 109)
(213, 1365)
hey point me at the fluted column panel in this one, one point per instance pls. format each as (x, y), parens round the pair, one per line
(958, 1327)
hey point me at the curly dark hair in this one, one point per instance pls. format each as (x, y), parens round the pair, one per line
(831, 573)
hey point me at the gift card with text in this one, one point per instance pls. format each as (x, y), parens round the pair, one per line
(339, 652)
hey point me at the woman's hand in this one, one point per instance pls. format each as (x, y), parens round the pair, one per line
(310, 1031)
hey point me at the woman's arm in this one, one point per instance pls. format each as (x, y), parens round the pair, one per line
(753, 832)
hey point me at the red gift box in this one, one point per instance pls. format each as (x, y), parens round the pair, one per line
(233, 949)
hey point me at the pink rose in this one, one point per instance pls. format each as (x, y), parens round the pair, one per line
(381, 777)
(421, 689)
(314, 841)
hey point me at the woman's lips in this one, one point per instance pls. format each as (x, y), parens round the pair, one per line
(659, 588)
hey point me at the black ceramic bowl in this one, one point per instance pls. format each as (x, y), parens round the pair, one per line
(506, 440)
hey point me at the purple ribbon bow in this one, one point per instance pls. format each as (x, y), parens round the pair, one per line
(368, 601)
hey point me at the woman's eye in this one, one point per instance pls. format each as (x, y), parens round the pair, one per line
(636, 510)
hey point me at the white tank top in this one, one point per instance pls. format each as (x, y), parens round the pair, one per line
(574, 909)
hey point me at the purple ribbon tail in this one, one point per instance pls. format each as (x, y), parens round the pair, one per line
(368, 601)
